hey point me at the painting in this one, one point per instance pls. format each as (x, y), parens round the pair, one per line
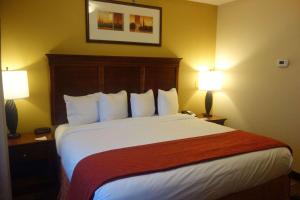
(110, 21)
(141, 24)
(123, 23)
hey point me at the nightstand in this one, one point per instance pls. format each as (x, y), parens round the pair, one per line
(33, 166)
(214, 119)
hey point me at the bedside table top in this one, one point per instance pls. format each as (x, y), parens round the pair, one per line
(212, 118)
(28, 138)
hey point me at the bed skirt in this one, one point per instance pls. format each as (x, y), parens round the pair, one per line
(277, 189)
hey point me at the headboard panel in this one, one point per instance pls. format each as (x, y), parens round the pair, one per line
(78, 75)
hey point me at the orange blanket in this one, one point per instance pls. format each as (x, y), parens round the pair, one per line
(94, 171)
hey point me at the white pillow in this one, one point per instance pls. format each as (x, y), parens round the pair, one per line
(82, 109)
(167, 102)
(142, 105)
(113, 106)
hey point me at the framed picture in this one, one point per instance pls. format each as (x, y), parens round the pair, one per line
(123, 23)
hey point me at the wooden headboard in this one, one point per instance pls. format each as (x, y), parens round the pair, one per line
(78, 75)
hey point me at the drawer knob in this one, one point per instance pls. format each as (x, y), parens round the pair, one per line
(24, 155)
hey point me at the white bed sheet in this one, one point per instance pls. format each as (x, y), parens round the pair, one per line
(208, 180)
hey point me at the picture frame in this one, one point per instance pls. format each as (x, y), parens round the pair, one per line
(118, 22)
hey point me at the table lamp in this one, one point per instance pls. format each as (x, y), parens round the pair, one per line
(15, 86)
(210, 81)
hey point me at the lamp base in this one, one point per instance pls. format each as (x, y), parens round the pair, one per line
(208, 103)
(13, 135)
(206, 115)
(11, 113)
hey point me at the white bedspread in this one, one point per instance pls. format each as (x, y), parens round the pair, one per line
(208, 180)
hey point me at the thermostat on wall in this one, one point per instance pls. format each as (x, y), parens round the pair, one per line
(282, 63)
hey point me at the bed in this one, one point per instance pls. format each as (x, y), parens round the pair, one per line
(256, 175)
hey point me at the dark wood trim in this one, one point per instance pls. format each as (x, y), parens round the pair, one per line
(29, 138)
(101, 78)
(214, 119)
(122, 42)
(87, 21)
(52, 92)
(276, 189)
(78, 75)
(129, 4)
(142, 78)
(73, 59)
(161, 27)
(294, 175)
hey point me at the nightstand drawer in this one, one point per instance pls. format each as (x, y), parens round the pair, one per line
(32, 152)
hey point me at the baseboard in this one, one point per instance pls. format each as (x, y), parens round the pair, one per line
(295, 175)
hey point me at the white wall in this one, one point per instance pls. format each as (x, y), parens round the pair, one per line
(258, 96)
(5, 191)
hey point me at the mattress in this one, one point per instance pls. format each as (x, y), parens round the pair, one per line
(207, 180)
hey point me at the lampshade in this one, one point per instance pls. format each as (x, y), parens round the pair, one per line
(15, 84)
(210, 80)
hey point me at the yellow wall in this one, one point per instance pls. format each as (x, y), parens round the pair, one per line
(258, 96)
(32, 28)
